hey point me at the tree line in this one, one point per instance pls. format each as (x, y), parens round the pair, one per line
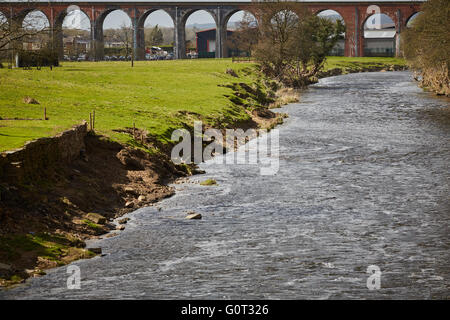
(426, 46)
(290, 43)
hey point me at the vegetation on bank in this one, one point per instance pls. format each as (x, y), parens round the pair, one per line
(157, 96)
(208, 182)
(360, 64)
(293, 47)
(426, 46)
(49, 250)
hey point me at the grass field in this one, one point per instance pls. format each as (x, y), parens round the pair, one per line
(356, 63)
(153, 94)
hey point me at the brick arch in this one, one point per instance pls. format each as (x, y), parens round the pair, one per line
(229, 14)
(414, 14)
(97, 25)
(391, 15)
(58, 33)
(337, 10)
(290, 8)
(226, 18)
(346, 44)
(4, 13)
(189, 12)
(21, 15)
(185, 16)
(143, 17)
(62, 14)
(100, 19)
(140, 35)
(366, 16)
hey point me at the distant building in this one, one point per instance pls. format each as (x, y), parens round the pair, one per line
(206, 43)
(379, 36)
(379, 43)
(114, 44)
(76, 44)
(32, 45)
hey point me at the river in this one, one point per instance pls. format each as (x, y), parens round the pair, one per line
(363, 180)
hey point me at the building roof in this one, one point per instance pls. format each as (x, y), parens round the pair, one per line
(211, 30)
(379, 33)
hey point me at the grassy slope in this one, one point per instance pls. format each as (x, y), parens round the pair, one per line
(355, 63)
(151, 94)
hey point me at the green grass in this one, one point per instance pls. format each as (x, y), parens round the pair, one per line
(208, 182)
(51, 247)
(357, 62)
(153, 94)
(92, 225)
(23, 250)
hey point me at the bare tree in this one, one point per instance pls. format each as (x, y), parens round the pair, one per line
(17, 29)
(426, 46)
(125, 36)
(245, 37)
(293, 42)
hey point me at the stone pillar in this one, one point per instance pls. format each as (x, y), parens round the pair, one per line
(398, 52)
(134, 24)
(350, 29)
(219, 33)
(359, 45)
(98, 46)
(140, 42)
(15, 22)
(180, 36)
(58, 41)
(57, 36)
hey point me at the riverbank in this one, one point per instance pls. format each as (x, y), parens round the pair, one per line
(44, 222)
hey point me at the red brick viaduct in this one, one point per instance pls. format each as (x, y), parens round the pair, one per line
(354, 13)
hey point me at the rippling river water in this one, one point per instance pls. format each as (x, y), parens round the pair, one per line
(363, 180)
